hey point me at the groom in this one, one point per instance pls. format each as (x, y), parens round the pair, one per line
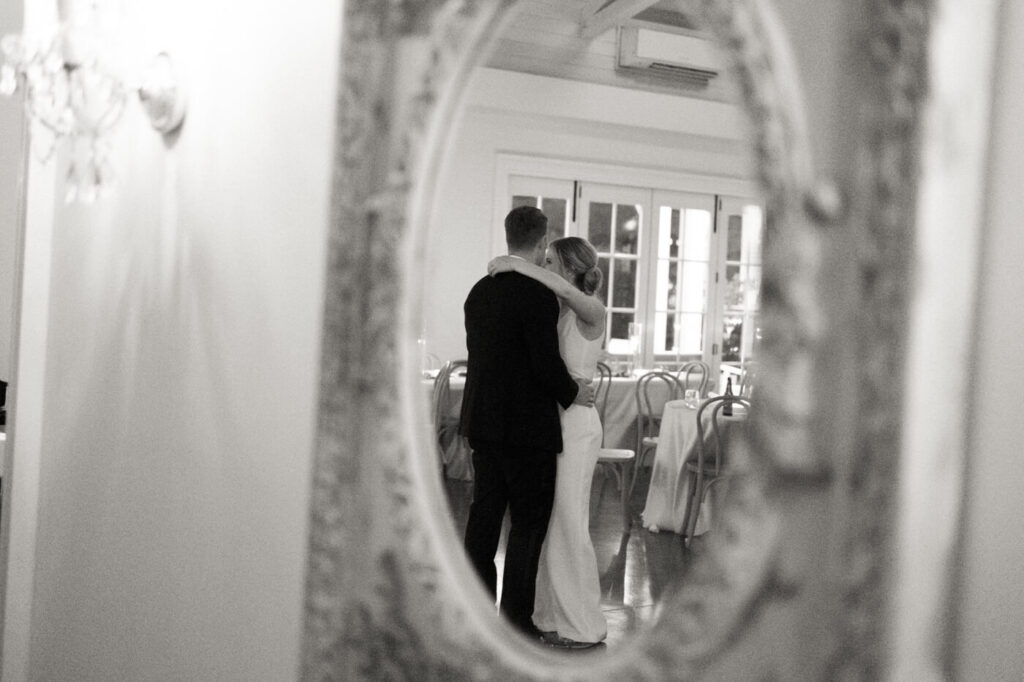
(515, 382)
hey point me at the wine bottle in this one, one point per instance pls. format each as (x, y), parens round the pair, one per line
(727, 410)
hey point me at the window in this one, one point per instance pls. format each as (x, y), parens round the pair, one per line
(682, 270)
(742, 224)
(614, 220)
(554, 197)
(682, 277)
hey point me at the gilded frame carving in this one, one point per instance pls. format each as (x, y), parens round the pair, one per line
(388, 597)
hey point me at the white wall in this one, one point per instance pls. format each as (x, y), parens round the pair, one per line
(551, 118)
(11, 169)
(182, 377)
(992, 600)
(182, 364)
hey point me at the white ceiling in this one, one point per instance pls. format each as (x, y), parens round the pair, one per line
(543, 37)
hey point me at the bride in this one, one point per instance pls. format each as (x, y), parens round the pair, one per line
(567, 608)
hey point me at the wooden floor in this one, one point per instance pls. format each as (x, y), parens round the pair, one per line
(636, 567)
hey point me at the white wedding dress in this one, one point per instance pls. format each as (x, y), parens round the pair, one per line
(568, 597)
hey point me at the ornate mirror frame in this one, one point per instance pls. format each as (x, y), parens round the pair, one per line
(804, 559)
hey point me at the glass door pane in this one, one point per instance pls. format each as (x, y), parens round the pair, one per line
(614, 219)
(551, 195)
(741, 226)
(683, 270)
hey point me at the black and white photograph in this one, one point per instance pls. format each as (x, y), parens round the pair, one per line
(534, 340)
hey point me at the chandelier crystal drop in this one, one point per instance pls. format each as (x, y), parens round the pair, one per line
(73, 89)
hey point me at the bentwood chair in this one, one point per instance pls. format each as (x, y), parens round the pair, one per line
(431, 362)
(652, 391)
(456, 461)
(695, 374)
(708, 468)
(617, 460)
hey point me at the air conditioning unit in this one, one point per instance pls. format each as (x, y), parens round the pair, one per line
(687, 57)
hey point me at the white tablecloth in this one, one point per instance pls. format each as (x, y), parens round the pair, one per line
(620, 413)
(677, 443)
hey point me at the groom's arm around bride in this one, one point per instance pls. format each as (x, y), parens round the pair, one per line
(515, 382)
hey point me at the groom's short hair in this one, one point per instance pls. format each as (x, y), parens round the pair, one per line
(525, 226)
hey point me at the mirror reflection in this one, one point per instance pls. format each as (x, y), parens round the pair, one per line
(625, 133)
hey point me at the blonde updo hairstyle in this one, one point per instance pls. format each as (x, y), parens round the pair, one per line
(579, 257)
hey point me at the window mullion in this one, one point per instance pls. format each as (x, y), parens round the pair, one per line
(647, 278)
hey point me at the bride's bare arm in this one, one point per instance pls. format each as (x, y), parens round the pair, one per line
(587, 307)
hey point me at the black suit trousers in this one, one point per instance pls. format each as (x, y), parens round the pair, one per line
(523, 481)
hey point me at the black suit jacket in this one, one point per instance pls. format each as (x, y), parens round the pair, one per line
(516, 377)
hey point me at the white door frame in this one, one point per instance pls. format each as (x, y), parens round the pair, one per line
(652, 180)
(508, 164)
(23, 450)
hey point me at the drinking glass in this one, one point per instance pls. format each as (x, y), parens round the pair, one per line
(691, 398)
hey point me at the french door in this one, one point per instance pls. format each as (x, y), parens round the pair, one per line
(740, 229)
(683, 279)
(681, 269)
(615, 220)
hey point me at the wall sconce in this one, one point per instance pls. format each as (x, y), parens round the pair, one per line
(73, 91)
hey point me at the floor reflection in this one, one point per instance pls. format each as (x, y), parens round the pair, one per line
(636, 567)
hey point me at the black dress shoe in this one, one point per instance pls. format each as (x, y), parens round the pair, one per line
(560, 642)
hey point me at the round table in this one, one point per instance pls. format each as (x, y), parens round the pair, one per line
(677, 442)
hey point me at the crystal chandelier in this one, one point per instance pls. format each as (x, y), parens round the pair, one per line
(73, 91)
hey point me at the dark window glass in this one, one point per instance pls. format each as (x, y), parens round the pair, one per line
(670, 333)
(602, 262)
(734, 247)
(624, 292)
(554, 209)
(599, 226)
(673, 279)
(732, 337)
(733, 287)
(673, 248)
(627, 228)
(620, 325)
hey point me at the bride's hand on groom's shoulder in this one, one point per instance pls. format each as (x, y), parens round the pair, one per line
(500, 264)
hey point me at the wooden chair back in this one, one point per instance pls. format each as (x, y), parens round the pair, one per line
(695, 374)
(716, 405)
(442, 395)
(653, 390)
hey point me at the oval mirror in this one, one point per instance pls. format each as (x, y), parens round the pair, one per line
(632, 137)
(435, 145)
